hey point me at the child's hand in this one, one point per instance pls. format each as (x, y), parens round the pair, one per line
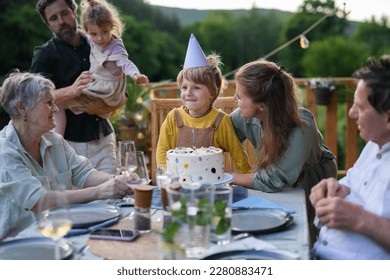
(141, 79)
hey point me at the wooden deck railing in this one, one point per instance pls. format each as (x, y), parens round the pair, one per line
(164, 98)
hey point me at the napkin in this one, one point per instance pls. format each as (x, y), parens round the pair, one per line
(239, 193)
(260, 202)
(80, 231)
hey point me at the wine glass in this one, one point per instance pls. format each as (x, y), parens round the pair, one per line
(162, 178)
(165, 176)
(131, 163)
(136, 172)
(139, 174)
(123, 148)
(55, 221)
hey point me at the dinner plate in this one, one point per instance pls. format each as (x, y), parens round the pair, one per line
(34, 248)
(247, 255)
(258, 221)
(226, 179)
(86, 215)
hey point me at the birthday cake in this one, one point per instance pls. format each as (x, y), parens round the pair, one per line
(203, 165)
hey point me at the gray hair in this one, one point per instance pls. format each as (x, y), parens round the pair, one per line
(25, 88)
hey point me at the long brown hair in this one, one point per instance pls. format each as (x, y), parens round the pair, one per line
(102, 14)
(267, 83)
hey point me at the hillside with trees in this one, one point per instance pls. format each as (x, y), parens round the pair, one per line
(157, 37)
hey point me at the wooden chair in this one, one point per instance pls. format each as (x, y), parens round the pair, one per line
(160, 107)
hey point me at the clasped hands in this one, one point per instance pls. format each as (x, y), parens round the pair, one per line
(332, 209)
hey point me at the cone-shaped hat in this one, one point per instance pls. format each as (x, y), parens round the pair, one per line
(195, 56)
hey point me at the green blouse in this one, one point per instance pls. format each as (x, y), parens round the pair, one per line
(305, 162)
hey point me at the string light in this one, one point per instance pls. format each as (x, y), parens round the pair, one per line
(345, 11)
(304, 42)
(311, 27)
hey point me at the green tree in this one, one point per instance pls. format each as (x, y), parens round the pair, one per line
(237, 38)
(375, 35)
(255, 35)
(142, 11)
(22, 29)
(155, 53)
(310, 12)
(333, 57)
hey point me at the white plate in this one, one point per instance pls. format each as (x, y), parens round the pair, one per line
(34, 248)
(247, 255)
(258, 221)
(86, 215)
(226, 179)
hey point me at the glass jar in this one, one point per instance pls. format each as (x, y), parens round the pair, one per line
(142, 219)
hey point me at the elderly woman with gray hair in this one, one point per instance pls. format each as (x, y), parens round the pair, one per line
(35, 162)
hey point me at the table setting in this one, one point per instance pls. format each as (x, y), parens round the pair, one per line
(212, 221)
(285, 242)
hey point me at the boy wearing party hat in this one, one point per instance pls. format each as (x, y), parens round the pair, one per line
(197, 123)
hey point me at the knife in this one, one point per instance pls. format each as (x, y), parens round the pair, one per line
(286, 210)
(81, 231)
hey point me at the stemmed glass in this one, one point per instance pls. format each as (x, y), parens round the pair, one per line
(162, 178)
(139, 174)
(165, 176)
(123, 148)
(54, 222)
(136, 172)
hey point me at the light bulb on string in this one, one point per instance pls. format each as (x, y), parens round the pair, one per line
(304, 42)
(345, 11)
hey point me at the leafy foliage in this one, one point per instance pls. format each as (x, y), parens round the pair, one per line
(22, 29)
(220, 214)
(168, 234)
(374, 35)
(143, 12)
(136, 112)
(309, 13)
(333, 57)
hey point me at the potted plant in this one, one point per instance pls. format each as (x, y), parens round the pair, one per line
(131, 122)
(323, 90)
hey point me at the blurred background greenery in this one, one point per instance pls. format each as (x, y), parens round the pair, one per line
(157, 37)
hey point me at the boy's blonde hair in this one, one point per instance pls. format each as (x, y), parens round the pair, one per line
(210, 76)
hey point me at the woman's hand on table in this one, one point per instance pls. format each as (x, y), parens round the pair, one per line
(114, 188)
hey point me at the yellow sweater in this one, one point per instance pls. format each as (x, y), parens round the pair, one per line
(224, 137)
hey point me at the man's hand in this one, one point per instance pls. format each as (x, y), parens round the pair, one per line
(327, 188)
(335, 212)
(99, 108)
(81, 83)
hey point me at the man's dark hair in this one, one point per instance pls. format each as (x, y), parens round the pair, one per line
(376, 75)
(42, 4)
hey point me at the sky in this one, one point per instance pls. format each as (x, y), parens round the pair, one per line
(360, 9)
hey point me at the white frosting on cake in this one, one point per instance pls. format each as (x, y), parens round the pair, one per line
(203, 165)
